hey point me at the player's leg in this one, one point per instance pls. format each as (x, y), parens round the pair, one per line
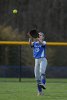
(37, 75)
(43, 66)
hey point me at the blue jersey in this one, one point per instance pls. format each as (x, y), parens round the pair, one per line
(39, 50)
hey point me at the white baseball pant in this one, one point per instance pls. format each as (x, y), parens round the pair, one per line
(40, 67)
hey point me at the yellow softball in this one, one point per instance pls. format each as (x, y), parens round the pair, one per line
(15, 11)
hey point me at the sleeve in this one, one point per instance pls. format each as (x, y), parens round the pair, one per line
(44, 42)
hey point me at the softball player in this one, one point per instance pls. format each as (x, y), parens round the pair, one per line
(39, 53)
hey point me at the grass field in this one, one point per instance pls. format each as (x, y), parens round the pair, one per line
(26, 90)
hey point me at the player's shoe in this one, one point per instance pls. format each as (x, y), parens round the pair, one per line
(42, 86)
(40, 93)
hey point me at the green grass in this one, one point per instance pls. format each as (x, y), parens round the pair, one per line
(26, 90)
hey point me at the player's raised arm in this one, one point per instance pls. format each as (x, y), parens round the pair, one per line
(41, 38)
(30, 41)
(41, 41)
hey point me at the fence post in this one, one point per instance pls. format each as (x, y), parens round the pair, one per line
(20, 66)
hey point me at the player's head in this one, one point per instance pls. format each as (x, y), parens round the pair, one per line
(41, 35)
